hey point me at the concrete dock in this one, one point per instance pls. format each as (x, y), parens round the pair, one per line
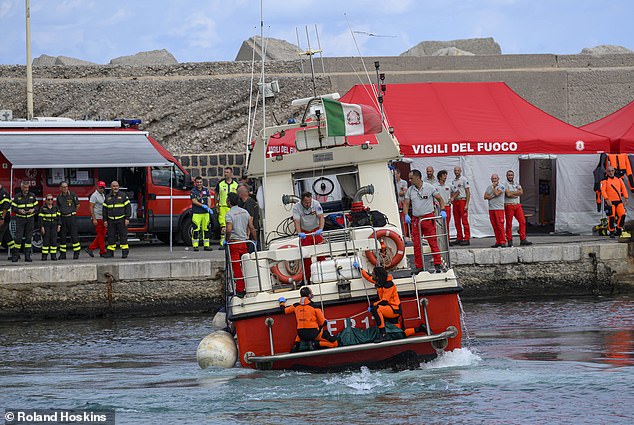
(154, 280)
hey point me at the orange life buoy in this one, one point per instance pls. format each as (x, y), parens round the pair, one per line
(398, 241)
(287, 278)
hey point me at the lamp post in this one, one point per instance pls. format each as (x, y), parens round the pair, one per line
(29, 67)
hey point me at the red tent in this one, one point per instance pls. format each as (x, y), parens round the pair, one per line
(619, 127)
(436, 119)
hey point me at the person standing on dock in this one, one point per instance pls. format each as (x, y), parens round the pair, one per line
(68, 204)
(239, 226)
(513, 209)
(96, 214)
(401, 188)
(308, 216)
(251, 205)
(24, 206)
(201, 214)
(422, 196)
(494, 193)
(460, 197)
(5, 218)
(49, 226)
(444, 190)
(615, 196)
(223, 188)
(117, 212)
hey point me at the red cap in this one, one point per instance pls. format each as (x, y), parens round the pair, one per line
(101, 184)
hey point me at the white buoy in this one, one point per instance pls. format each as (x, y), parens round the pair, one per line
(217, 349)
(219, 321)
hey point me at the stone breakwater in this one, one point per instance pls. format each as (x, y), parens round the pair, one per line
(150, 288)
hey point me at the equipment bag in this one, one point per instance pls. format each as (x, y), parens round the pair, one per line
(378, 218)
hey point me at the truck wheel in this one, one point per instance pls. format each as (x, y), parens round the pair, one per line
(187, 230)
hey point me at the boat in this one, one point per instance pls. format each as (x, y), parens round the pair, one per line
(351, 176)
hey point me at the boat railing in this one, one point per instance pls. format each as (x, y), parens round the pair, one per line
(231, 279)
(440, 239)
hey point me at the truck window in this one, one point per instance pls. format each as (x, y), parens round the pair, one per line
(161, 177)
(74, 176)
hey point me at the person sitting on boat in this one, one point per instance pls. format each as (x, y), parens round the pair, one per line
(388, 306)
(308, 217)
(311, 323)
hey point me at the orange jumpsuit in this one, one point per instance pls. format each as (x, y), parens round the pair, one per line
(310, 323)
(388, 304)
(613, 189)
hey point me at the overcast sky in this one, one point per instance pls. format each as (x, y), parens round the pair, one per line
(213, 30)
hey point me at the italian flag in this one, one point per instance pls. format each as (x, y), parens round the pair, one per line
(346, 119)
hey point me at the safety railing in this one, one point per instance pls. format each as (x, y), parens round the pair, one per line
(438, 237)
(231, 279)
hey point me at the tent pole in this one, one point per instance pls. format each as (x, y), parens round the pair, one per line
(11, 184)
(171, 204)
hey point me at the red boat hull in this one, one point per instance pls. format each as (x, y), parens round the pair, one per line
(253, 334)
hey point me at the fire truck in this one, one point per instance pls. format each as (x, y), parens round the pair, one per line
(47, 151)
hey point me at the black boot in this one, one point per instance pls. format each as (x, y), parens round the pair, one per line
(62, 255)
(75, 255)
(422, 328)
(53, 257)
(44, 257)
(108, 254)
(124, 253)
(15, 255)
(27, 256)
(295, 348)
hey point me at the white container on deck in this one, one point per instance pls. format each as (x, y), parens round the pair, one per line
(250, 273)
(333, 270)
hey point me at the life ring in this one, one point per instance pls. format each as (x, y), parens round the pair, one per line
(283, 277)
(398, 241)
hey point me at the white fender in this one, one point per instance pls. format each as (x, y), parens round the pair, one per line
(217, 349)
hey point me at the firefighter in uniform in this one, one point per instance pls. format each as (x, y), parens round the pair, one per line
(201, 212)
(116, 213)
(24, 206)
(68, 204)
(223, 188)
(49, 224)
(615, 196)
(5, 218)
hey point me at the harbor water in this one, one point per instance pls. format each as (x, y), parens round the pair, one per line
(539, 361)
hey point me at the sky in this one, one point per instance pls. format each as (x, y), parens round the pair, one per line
(213, 30)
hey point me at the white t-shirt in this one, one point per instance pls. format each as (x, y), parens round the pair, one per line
(308, 217)
(422, 199)
(512, 187)
(445, 192)
(460, 185)
(496, 203)
(98, 199)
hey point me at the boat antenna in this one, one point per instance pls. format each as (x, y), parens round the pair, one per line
(310, 54)
(249, 130)
(299, 47)
(321, 56)
(29, 65)
(264, 138)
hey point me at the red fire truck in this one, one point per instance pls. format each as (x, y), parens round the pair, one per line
(46, 152)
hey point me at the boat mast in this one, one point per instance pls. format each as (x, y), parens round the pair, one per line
(264, 137)
(29, 66)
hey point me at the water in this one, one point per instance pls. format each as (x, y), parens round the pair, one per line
(564, 361)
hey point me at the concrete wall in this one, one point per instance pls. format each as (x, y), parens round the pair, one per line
(185, 286)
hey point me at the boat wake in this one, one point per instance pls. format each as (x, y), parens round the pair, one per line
(459, 357)
(361, 382)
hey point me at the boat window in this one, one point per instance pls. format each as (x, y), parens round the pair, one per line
(74, 176)
(333, 188)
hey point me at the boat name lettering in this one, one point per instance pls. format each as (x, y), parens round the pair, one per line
(323, 156)
(336, 326)
(464, 147)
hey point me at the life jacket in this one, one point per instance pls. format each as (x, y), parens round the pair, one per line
(622, 167)
(613, 189)
(307, 315)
